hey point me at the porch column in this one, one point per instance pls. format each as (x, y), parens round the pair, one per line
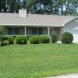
(49, 31)
(25, 30)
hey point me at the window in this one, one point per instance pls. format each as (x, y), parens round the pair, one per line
(16, 31)
(39, 31)
(36, 31)
(10, 31)
(13, 31)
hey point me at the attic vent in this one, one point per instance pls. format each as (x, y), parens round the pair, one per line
(22, 12)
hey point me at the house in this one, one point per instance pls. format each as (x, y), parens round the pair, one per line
(35, 24)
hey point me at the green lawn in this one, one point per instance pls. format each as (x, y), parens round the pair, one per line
(38, 60)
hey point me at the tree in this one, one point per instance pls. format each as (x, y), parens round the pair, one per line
(55, 7)
(39, 6)
(13, 5)
(24, 2)
(68, 7)
(18, 6)
(3, 7)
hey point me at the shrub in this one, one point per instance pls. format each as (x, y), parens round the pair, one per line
(66, 37)
(1, 36)
(9, 38)
(53, 38)
(28, 37)
(34, 40)
(20, 40)
(5, 42)
(43, 39)
(0, 43)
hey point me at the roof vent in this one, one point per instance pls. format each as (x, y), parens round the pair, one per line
(22, 12)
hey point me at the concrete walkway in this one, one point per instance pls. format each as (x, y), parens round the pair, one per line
(65, 76)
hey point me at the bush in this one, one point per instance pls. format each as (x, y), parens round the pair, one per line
(9, 38)
(28, 37)
(5, 42)
(1, 36)
(66, 37)
(0, 43)
(43, 39)
(53, 38)
(20, 40)
(34, 40)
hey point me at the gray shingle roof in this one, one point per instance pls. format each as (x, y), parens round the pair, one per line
(33, 19)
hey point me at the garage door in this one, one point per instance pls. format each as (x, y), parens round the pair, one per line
(75, 35)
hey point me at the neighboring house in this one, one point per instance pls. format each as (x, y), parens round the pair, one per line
(35, 24)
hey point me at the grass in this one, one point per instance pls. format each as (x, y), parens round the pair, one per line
(38, 60)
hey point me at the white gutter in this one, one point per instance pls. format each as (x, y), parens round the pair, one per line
(35, 25)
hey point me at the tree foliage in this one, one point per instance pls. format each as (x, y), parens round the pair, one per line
(1, 30)
(3, 7)
(14, 5)
(55, 7)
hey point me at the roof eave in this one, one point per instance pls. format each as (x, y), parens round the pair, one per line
(35, 25)
(70, 20)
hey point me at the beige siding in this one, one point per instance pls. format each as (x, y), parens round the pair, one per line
(44, 31)
(5, 30)
(57, 31)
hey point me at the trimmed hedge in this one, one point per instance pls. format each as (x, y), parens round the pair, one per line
(9, 38)
(44, 39)
(34, 40)
(39, 39)
(66, 37)
(20, 40)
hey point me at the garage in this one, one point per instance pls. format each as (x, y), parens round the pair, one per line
(72, 27)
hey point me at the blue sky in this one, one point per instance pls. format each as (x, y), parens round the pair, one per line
(21, 0)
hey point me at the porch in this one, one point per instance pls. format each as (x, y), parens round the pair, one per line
(28, 31)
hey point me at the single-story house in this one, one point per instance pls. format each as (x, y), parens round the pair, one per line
(35, 24)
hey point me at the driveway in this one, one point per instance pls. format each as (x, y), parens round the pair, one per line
(65, 76)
